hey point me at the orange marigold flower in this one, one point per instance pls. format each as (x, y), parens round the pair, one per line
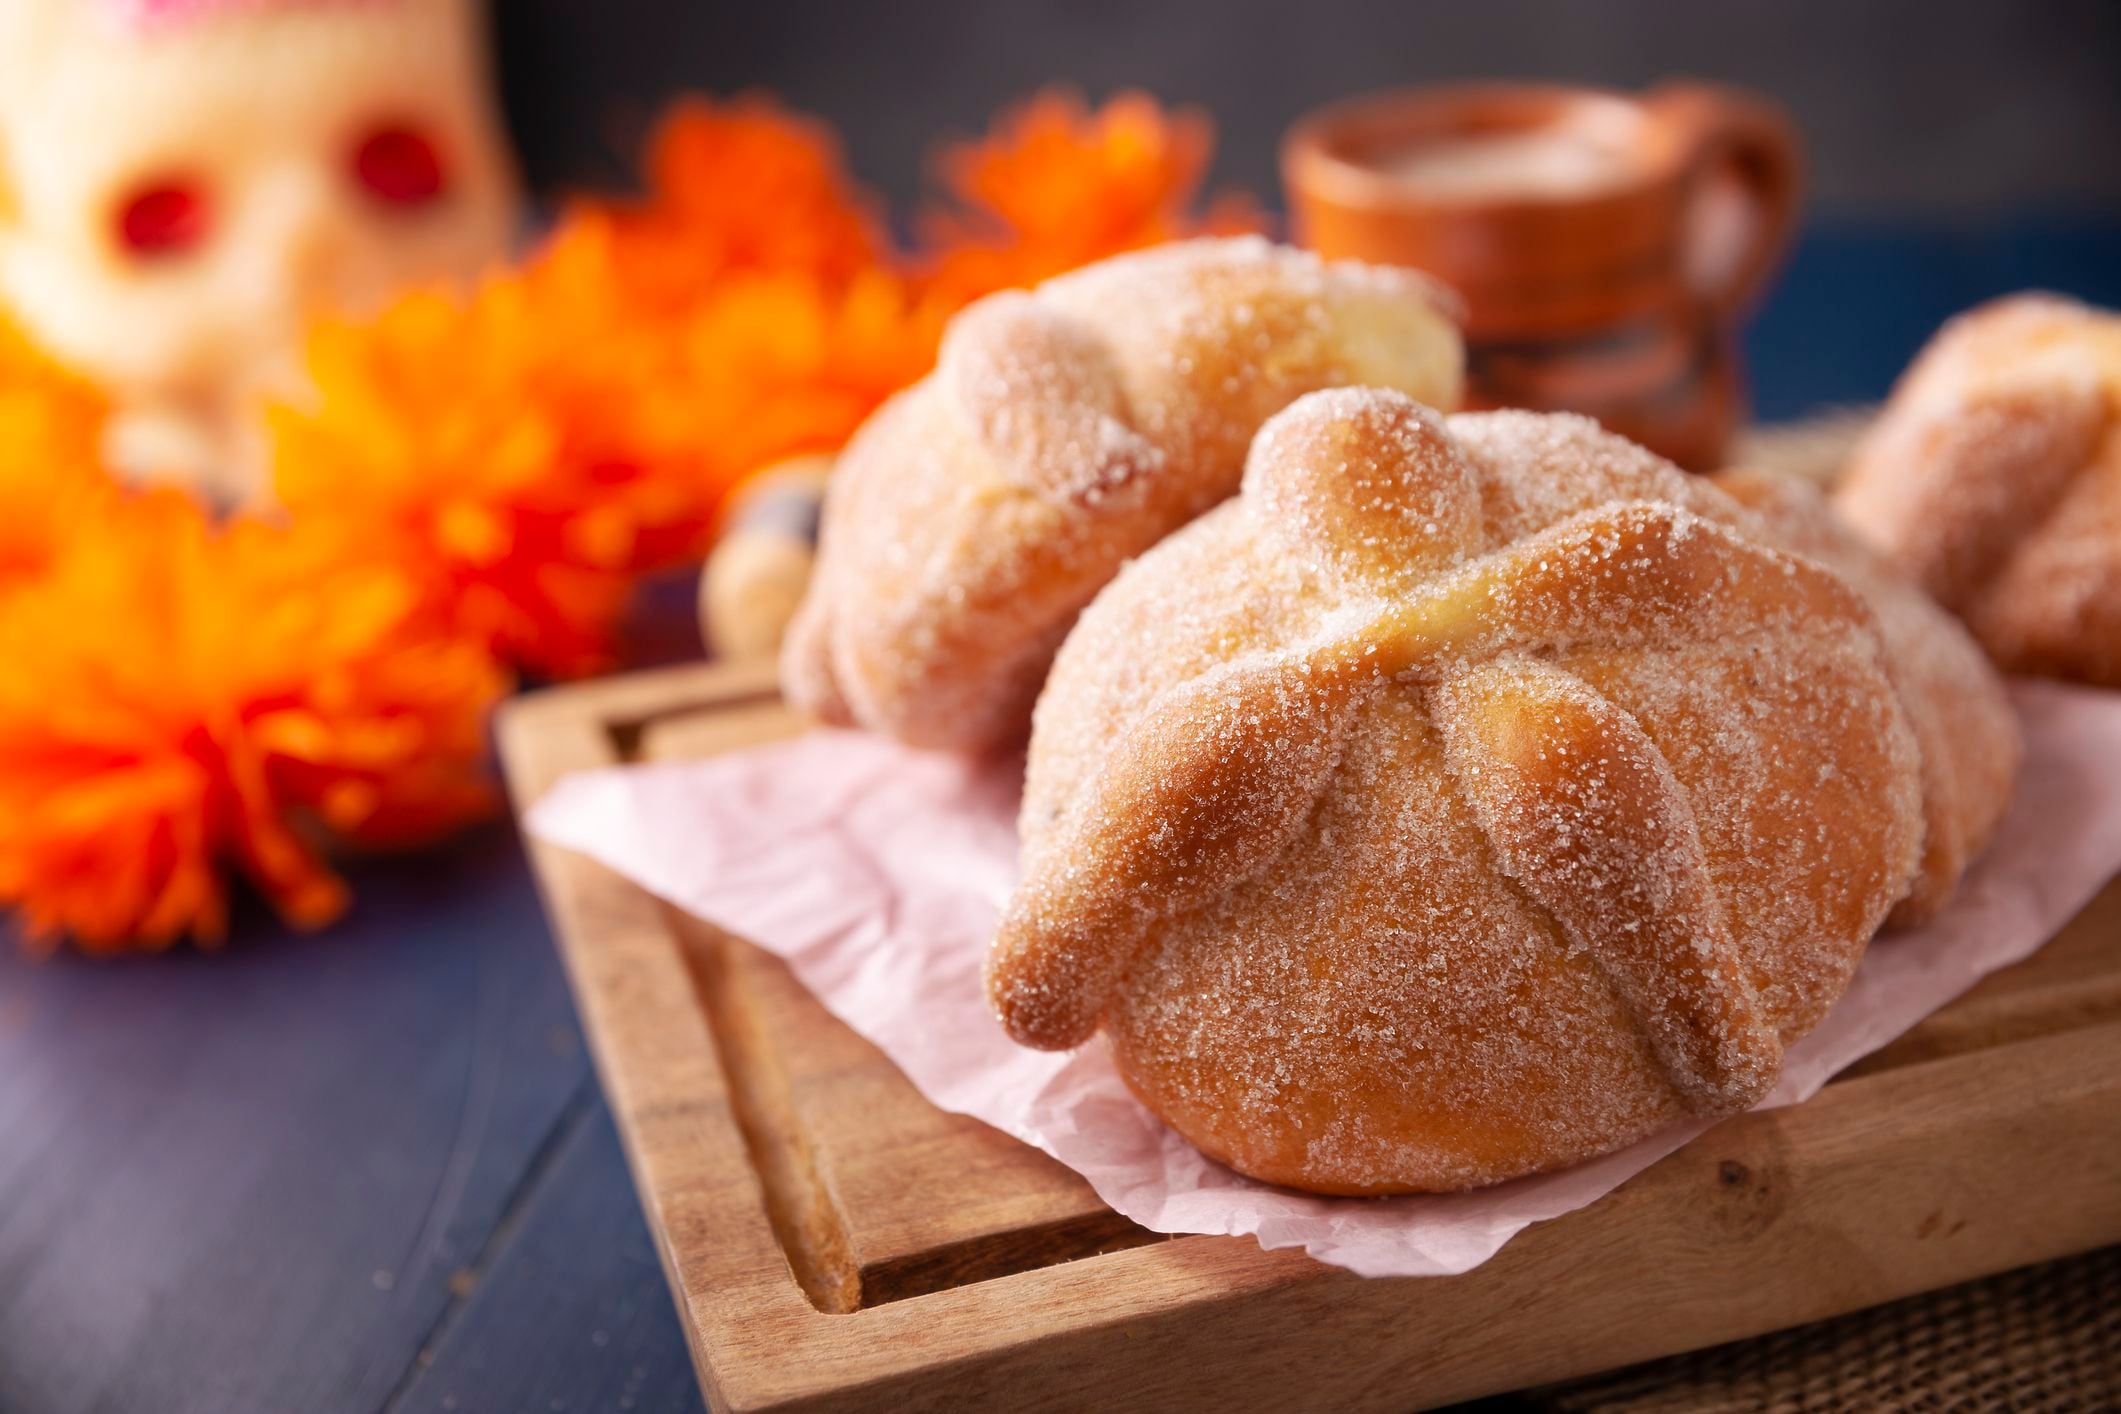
(1056, 185)
(503, 449)
(477, 477)
(538, 446)
(190, 698)
(51, 478)
(535, 448)
(776, 365)
(740, 186)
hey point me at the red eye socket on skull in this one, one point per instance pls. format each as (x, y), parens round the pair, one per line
(163, 218)
(400, 166)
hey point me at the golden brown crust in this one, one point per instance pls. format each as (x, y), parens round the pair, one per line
(1464, 800)
(1063, 432)
(1586, 817)
(1963, 724)
(1993, 479)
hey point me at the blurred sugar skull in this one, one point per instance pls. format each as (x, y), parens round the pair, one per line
(185, 183)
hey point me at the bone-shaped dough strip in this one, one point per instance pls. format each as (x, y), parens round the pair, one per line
(1585, 815)
(1628, 573)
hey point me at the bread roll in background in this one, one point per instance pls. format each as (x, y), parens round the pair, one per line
(1064, 431)
(1993, 478)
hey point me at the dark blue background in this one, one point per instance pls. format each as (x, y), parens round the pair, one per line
(372, 1170)
(1909, 107)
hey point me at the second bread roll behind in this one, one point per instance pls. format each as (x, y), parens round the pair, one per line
(1063, 432)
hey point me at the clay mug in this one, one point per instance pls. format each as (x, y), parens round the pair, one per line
(1607, 245)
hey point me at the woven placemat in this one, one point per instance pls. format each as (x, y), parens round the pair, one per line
(2045, 1338)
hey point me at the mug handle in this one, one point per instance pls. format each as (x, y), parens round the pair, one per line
(1724, 131)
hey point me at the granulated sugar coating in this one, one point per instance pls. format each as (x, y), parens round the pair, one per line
(1465, 799)
(1063, 432)
(1963, 724)
(1994, 479)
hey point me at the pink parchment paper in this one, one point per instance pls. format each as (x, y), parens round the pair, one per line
(878, 873)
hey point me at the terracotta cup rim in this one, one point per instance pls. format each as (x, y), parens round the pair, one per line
(1317, 158)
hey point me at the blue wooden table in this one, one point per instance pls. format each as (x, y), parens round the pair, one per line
(373, 1171)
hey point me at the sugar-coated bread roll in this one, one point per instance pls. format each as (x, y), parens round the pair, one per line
(1994, 479)
(1463, 800)
(1063, 432)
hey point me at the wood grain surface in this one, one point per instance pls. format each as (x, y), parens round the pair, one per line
(834, 1241)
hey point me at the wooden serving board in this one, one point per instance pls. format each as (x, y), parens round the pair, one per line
(834, 1241)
